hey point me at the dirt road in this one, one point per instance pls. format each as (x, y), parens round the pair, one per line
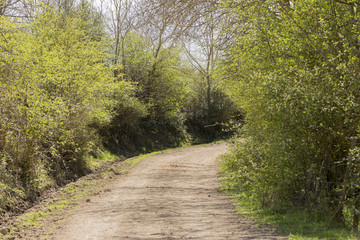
(174, 195)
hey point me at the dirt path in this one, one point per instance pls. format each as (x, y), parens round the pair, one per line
(174, 195)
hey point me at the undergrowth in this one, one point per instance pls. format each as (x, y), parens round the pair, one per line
(295, 223)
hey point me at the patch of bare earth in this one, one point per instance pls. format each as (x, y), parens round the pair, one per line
(174, 195)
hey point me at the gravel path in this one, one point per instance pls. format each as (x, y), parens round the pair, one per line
(173, 195)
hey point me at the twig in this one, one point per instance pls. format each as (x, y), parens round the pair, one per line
(2, 34)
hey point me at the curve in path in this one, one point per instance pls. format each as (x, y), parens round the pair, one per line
(174, 195)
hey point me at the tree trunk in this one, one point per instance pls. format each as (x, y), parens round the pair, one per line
(356, 213)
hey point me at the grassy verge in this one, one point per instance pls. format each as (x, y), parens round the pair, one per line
(294, 223)
(31, 224)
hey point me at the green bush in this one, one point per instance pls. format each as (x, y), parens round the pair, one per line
(56, 85)
(294, 70)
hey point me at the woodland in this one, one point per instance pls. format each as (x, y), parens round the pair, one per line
(79, 78)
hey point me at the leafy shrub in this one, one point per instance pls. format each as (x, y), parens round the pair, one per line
(294, 72)
(55, 87)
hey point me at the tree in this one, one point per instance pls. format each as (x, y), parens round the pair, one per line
(146, 34)
(121, 18)
(209, 108)
(160, 122)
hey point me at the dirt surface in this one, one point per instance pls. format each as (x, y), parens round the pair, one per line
(173, 195)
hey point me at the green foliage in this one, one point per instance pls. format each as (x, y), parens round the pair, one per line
(294, 70)
(152, 117)
(208, 111)
(55, 87)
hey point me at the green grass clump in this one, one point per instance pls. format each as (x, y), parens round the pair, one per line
(104, 157)
(295, 223)
(37, 217)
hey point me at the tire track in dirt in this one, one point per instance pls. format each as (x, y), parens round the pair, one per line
(173, 195)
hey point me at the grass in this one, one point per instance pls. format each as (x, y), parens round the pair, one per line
(294, 223)
(106, 157)
(36, 218)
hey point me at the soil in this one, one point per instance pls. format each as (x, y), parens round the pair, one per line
(173, 195)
